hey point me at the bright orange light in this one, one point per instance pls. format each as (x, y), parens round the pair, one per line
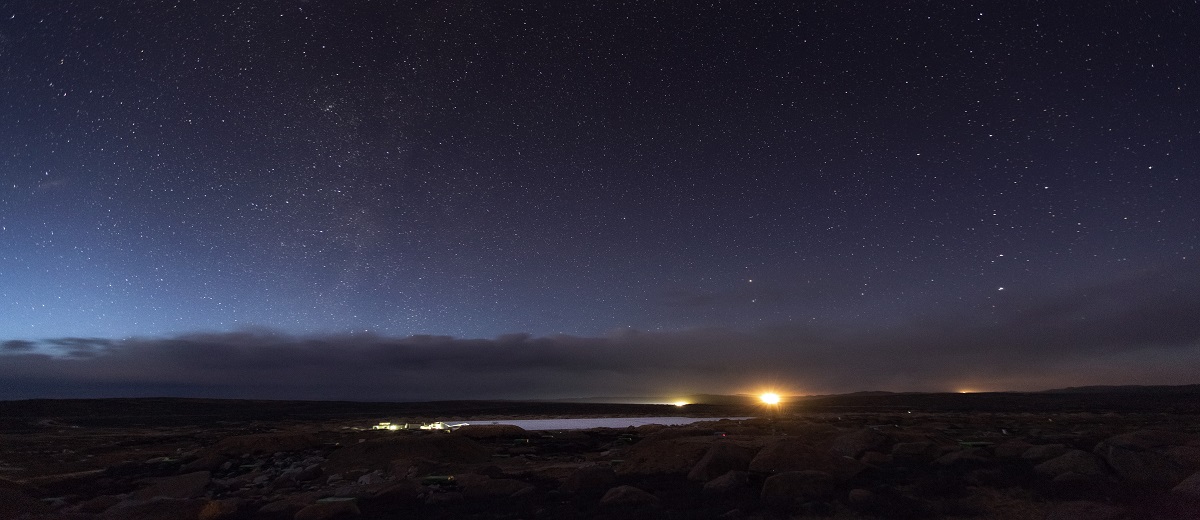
(680, 403)
(770, 398)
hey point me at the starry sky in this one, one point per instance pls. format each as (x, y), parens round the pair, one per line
(554, 199)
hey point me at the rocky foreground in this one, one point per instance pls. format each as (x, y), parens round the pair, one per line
(849, 465)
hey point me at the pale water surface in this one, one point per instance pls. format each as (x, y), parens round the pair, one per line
(600, 422)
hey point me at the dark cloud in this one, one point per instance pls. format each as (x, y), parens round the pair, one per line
(1133, 331)
(17, 345)
(79, 347)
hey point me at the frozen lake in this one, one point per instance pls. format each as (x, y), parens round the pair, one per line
(600, 422)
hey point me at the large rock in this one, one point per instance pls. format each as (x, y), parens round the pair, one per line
(1043, 452)
(1011, 450)
(288, 506)
(492, 431)
(964, 458)
(1084, 510)
(658, 432)
(398, 493)
(663, 453)
(875, 458)
(915, 452)
(792, 486)
(1151, 458)
(379, 453)
(219, 509)
(492, 488)
(298, 474)
(861, 499)
(628, 496)
(15, 503)
(156, 509)
(328, 509)
(1189, 487)
(729, 483)
(589, 479)
(854, 444)
(1078, 462)
(97, 504)
(189, 485)
(793, 455)
(720, 459)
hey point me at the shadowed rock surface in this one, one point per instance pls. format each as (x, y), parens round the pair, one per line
(866, 462)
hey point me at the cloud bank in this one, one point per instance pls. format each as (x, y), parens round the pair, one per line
(1135, 331)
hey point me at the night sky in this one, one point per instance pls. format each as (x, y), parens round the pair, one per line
(469, 198)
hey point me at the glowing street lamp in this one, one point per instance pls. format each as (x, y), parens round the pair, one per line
(771, 399)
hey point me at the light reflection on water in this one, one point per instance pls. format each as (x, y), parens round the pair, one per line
(600, 422)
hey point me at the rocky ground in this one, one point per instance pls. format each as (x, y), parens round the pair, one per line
(66, 460)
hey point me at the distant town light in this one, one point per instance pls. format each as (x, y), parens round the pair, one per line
(680, 403)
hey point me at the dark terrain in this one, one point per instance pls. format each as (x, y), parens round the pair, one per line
(1100, 453)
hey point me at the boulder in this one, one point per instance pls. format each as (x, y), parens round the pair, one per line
(155, 509)
(491, 488)
(1189, 487)
(329, 508)
(206, 461)
(398, 493)
(628, 496)
(589, 479)
(15, 503)
(443, 498)
(188, 485)
(219, 509)
(720, 459)
(297, 474)
(658, 432)
(1085, 510)
(967, 457)
(1077, 462)
(1149, 458)
(875, 458)
(378, 454)
(730, 483)
(1011, 450)
(1044, 452)
(288, 506)
(854, 444)
(661, 454)
(915, 452)
(793, 455)
(96, 504)
(492, 431)
(861, 499)
(790, 486)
